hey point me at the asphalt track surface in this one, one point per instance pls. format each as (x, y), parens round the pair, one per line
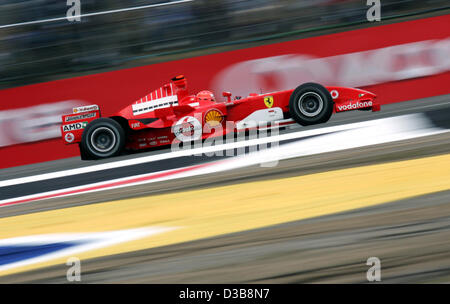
(411, 236)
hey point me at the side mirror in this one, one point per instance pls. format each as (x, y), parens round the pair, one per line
(227, 95)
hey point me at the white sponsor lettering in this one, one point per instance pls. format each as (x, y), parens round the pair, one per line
(78, 117)
(135, 125)
(75, 126)
(354, 106)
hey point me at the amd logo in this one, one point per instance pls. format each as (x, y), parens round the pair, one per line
(75, 126)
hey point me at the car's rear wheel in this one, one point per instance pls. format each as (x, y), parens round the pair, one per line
(310, 104)
(102, 138)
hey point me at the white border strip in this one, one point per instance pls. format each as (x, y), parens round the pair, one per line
(171, 174)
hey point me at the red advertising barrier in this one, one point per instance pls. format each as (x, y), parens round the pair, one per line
(398, 62)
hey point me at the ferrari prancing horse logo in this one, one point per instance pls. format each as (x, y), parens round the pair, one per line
(268, 101)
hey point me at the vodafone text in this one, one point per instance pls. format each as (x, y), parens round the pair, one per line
(356, 105)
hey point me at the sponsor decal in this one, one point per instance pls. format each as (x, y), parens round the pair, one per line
(187, 128)
(354, 106)
(135, 125)
(69, 137)
(268, 101)
(82, 116)
(85, 109)
(334, 94)
(75, 126)
(213, 117)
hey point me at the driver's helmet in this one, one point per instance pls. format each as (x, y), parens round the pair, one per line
(205, 96)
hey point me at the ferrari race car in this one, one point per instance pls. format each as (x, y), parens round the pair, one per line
(170, 115)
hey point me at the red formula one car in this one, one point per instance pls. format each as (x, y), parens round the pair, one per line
(170, 115)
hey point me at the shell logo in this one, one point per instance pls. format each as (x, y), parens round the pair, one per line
(213, 117)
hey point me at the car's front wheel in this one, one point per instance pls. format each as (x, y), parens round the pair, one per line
(102, 138)
(310, 104)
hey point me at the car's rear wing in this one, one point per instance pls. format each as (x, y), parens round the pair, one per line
(73, 124)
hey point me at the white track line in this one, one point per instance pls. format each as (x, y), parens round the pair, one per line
(151, 178)
(181, 153)
(200, 151)
(385, 131)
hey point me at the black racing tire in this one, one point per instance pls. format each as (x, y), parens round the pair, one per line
(102, 138)
(310, 104)
(83, 154)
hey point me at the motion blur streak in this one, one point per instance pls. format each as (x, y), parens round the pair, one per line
(332, 139)
(96, 14)
(77, 242)
(397, 60)
(227, 209)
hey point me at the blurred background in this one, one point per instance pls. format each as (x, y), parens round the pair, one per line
(290, 223)
(59, 49)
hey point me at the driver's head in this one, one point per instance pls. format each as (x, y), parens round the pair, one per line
(205, 96)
